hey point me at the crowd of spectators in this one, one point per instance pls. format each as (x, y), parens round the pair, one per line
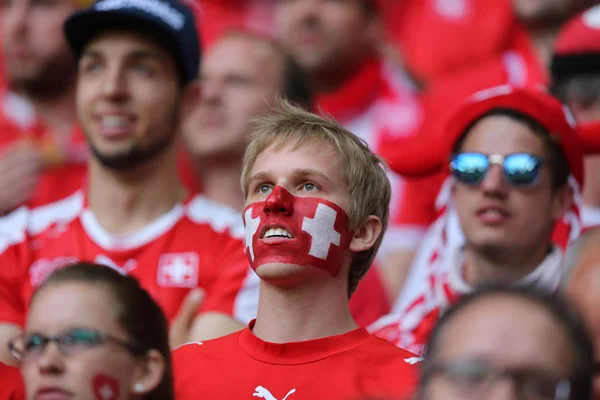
(312, 199)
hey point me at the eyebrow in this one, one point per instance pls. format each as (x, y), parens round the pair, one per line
(136, 54)
(305, 172)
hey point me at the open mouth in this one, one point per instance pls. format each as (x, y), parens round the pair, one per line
(277, 233)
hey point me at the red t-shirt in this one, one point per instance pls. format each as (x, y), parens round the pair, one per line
(11, 383)
(439, 37)
(66, 162)
(355, 365)
(196, 244)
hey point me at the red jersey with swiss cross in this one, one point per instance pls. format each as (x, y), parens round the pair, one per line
(355, 365)
(196, 244)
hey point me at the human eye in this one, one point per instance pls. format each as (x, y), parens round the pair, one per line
(81, 337)
(89, 66)
(264, 189)
(469, 375)
(34, 342)
(144, 69)
(536, 386)
(309, 187)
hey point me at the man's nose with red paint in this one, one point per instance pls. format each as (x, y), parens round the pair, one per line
(280, 201)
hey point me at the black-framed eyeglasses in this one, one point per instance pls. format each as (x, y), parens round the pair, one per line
(474, 378)
(31, 345)
(520, 169)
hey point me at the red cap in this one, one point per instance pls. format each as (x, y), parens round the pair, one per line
(577, 47)
(432, 154)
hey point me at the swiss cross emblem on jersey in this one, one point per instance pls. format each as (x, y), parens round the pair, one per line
(178, 270)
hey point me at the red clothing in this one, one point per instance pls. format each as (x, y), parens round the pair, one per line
(196, 244)
(379, 104)
(437, 277)
(440, 37)
(519, 68)
(11, 383)
(66, 162)
(354, 365)
(215, 17)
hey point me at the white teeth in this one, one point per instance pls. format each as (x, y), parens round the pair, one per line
(114, 121)
(277, 232)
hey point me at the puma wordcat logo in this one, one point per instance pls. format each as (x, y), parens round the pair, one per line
(264, 393)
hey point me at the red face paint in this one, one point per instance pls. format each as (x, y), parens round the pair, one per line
(105, 387)
(319, 229)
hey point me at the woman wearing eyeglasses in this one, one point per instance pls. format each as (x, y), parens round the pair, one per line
(92, 333)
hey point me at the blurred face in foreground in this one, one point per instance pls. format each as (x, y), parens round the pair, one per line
(501, 347)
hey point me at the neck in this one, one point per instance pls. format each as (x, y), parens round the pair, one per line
(124, 201)
(501, 266)
(56, 108)
(328, 80)
(543, 39)
(302, 313)
(221, 183)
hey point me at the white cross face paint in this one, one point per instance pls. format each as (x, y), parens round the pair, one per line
(303, 231)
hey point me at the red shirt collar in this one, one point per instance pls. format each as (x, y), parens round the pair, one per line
(300, 352)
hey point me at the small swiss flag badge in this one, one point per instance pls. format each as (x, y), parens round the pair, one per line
(178, 270)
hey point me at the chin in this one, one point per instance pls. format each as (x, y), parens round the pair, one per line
(285, 275)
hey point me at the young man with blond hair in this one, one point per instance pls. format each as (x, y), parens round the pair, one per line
(317, 205)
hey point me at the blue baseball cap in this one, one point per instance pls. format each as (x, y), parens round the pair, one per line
(169, 21)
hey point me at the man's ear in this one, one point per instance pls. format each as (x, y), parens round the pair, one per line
(562, 202)
(365, 236)
(149, 373)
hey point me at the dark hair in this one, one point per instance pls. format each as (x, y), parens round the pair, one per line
(139, 314)
(552, 303)
(557, 160)
(369, 7)
(582, 88)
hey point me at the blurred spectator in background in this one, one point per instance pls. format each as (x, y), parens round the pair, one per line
(92, 333)
(337, 43)
(136, 84)
(525, 63)
(581, 283)
(508, 344)
(241, 77)
(576, 82)
(42, 153)
(512, 152)
(436, 38)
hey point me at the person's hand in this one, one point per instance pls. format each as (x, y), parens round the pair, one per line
(179, 332)
(20, 167)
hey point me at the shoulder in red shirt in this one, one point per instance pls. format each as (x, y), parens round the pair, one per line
(196, 244)
(354, 365)
(11, 384)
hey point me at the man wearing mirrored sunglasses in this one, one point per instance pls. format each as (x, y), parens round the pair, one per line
(508, 210)
(495, 344)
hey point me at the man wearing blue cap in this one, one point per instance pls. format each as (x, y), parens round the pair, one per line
(138, 60)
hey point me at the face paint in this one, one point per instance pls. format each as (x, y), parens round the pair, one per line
(105, 387)
(297, 230)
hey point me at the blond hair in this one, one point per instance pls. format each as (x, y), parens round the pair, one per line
(365, 173)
